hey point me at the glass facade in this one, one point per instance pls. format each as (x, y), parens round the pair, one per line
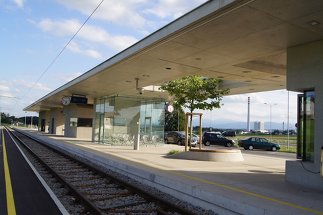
(309, 99)
(118, 120)
(305, 126)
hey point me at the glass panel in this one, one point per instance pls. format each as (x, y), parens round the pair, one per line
(123, 121)
(300, 125)
(152, 122)
(309, 100)
(118, 120)
(107, 119)
(73, 122)
(98, 127)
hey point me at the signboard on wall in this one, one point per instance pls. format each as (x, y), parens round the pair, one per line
(78, 100)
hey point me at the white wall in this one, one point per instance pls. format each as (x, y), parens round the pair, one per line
(78, 111)
(58, 116)
(44, 115)
(305, 72)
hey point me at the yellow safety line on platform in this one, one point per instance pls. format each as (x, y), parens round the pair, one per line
(9, 194)
(251, 193)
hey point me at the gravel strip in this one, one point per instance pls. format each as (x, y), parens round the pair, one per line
(101, 189)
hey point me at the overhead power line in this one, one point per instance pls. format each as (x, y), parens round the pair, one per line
(63, 49)
(12, 97)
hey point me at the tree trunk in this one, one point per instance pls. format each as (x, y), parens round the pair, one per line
(191, 130)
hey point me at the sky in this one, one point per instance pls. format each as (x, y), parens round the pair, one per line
(34, 32)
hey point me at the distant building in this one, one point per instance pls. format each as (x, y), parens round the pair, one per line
(259, 126)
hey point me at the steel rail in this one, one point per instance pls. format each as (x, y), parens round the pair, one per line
(88, 205)
(163, 205)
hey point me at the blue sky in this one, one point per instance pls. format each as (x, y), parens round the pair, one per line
(33, 32)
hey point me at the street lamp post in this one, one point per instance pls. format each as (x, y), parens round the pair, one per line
(288, 120)
(270, 118)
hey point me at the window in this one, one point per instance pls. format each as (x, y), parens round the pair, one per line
(73, 122)
(84, 122)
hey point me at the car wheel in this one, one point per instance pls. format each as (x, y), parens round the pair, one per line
(228, 144)
(166, 141)
(273, 148)
(207, 143)
(179, 143)
(250, 147)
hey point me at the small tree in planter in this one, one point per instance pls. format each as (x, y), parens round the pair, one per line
(195, 92)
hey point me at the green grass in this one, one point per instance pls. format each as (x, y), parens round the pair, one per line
(174, 151)
(291, 149)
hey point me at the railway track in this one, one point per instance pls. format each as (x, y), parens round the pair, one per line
(95, 191)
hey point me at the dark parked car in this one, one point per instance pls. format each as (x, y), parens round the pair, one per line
(258, 143)
(229, 133)
(178, 137)
(210, 138)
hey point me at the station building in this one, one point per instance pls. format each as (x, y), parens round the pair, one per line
(252, 45)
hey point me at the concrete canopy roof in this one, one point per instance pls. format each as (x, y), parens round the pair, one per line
(242, 42)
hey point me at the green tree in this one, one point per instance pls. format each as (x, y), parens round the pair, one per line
(195, 92)
(175, 120)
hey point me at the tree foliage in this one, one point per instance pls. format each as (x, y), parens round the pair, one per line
(175, 120)
(6, 119)
(194, 92)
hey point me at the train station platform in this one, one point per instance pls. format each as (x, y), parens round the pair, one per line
(253, 186)
(22, 192)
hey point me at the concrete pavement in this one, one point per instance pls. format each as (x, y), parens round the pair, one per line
(253, 186)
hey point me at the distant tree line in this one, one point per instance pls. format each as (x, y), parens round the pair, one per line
(6, 119)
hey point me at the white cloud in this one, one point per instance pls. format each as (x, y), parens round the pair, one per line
(59, 28)
(29, 85)
(74, 47)
(135, 14)
(7, 97)
(4, 88)
(88, 33)
(235, 108)
(122, 12)
(68, 77)
(19, 3)
(173, 8)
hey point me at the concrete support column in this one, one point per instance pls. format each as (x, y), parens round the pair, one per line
(305, 72)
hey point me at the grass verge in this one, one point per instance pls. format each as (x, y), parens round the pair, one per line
(174, 151)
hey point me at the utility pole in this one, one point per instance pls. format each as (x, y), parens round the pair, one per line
(270, 118)
(287, 119)
(248, 116)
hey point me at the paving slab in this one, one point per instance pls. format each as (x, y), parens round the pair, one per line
(253, 186)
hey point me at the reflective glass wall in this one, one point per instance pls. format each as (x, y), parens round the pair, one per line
(305, 126)
(118, 120)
